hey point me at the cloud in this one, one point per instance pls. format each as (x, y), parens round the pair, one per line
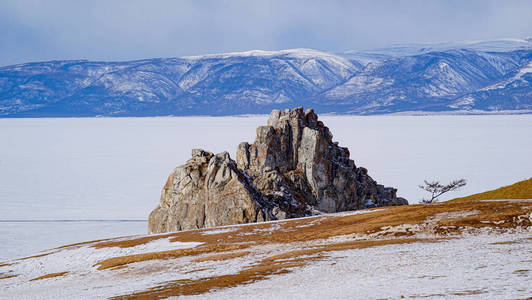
(122, 30)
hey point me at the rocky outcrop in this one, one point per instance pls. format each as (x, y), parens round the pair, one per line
(209, 190)
(293, 169)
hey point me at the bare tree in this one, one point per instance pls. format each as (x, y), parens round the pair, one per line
(436, 189)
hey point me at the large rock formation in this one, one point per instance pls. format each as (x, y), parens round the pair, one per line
(293, 169)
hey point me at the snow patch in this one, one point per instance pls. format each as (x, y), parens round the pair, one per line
(218, 231)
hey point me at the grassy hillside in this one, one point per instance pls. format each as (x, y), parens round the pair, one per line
(519, 190)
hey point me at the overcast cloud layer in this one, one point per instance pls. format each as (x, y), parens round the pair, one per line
(124, 30)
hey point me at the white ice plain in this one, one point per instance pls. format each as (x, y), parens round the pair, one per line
(114, 168)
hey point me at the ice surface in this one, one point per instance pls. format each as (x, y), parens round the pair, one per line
(114, 168)
(101, 168)
(19, 239)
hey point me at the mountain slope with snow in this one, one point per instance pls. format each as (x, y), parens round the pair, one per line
(429, 82)
(488, 76)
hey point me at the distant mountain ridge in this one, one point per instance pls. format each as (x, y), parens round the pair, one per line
(486, 76)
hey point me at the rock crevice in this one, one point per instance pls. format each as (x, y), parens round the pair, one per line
(292, 169)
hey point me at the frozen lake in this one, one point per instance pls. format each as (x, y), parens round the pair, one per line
(23, 238)
(114, 168)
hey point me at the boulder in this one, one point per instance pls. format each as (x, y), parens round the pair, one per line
(292, 169)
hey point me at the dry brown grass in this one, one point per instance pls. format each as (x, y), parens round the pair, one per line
(124, 260)
(426, 296)
(35, 256)
(277, 264)
(342, 246)
(493, 212)
(318, 252)
(327, 227)
(182, 236)
(519, 190)
(197, 270)
(506, 243)
(126, 243)
(7, 275)
(51, 275)
(82, 243)
(203, 285)
(469, 292)
(221, 256)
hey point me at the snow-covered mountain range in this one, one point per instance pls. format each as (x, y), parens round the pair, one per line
(479, 76)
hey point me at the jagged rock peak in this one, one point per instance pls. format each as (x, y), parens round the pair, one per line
(292, 169)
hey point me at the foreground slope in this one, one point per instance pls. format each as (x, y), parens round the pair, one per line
(439, 250)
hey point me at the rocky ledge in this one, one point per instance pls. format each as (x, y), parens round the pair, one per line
(293, 169)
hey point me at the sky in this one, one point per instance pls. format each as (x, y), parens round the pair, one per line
(33, 30)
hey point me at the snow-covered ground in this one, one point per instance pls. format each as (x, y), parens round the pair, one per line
(476, 267)
(473, 267)
(477, 249)
(114, 168)
(80, 261)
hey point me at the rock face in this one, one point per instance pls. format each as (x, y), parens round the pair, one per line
(293, 169)
(209, 190)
